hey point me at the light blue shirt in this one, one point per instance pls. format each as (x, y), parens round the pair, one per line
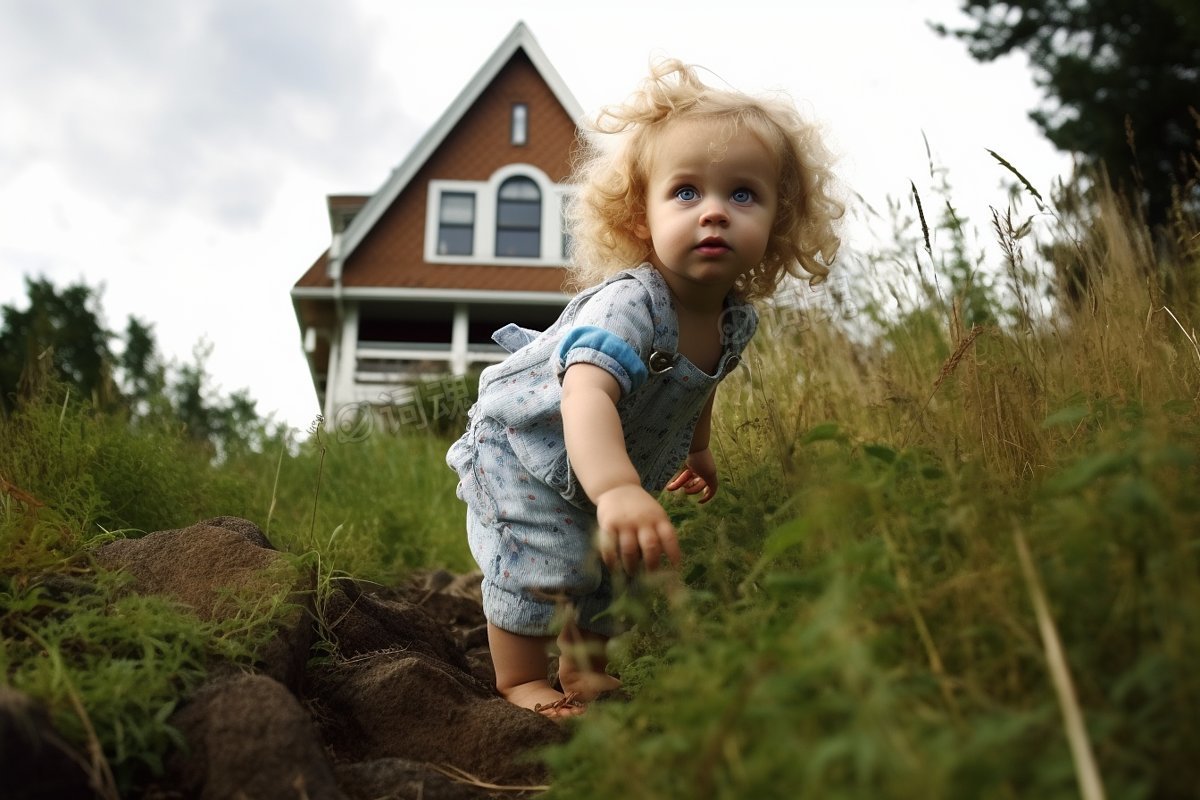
(628, 327)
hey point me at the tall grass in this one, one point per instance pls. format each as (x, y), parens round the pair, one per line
(374, 508)
(856, 619)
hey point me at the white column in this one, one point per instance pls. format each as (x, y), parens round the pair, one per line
(459, 340)
(340, 389)
(331, 373)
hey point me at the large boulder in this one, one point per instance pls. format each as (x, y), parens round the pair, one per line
(248, 736)
(217, 567)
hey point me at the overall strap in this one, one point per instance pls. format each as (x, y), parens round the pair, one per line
(665, 341)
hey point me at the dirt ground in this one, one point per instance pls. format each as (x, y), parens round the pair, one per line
(401, 706)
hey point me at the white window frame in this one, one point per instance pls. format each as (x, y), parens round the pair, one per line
(486, 195)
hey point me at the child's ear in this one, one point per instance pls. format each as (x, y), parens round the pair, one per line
(640, 229)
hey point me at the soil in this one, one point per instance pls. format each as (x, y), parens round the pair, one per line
(381, 693)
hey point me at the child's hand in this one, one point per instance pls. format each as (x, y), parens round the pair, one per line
(700, 475)
(634, 527)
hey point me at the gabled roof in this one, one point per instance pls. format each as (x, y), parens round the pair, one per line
(519, 39)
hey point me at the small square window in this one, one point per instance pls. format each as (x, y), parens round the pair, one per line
(519, 125)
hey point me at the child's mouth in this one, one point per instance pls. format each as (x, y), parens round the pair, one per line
(713, 246)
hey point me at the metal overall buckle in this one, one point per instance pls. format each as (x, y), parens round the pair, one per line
(660, 362)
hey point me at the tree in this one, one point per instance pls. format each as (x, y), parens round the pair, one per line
(62, 336)
(1122, 84)
(143, 374)
(207, 416)
(62, 333)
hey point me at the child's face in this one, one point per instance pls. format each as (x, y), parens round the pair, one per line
(710, 205)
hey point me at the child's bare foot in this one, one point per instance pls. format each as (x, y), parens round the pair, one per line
(587, 685)
(541, 697)
(582, 663)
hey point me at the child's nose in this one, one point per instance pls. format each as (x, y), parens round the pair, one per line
(713, 212)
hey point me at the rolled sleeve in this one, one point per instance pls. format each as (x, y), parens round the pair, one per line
(613, 330)
(589, 344)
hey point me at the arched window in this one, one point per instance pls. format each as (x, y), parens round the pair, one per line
(519, 219)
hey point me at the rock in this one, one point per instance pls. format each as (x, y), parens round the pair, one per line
(249, 531)
(37, 762)
(414, 707)
(448, 601)
(247, 736)
(367, 624)
(209, 566)
(455, 603)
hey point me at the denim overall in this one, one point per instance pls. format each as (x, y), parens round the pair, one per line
(529, 524)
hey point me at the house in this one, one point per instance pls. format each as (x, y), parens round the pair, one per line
(464, 236)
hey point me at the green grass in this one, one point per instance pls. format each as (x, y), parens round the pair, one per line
(853, 618)
(383, 506)
(111, 666)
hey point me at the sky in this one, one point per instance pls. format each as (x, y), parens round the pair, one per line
(176, 154)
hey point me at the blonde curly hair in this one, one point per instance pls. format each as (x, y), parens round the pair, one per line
(611, 171)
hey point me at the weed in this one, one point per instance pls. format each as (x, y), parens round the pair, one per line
(954, 553)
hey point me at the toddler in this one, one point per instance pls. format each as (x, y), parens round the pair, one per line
(692, 203)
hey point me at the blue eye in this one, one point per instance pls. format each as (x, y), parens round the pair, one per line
(742, 196)
(687, 194)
